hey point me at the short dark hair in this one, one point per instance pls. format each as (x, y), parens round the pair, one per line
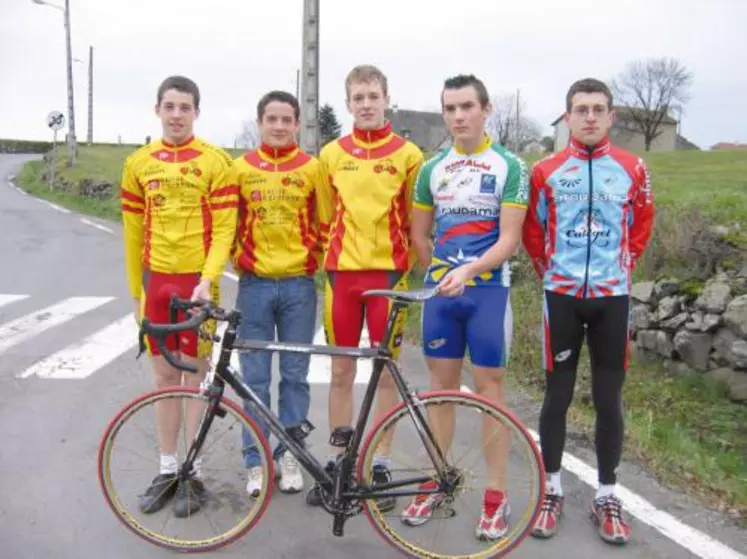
(588, 85)
(180, 83)
(280, 96)
(464, 80)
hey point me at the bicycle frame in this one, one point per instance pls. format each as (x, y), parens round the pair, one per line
(382, 356)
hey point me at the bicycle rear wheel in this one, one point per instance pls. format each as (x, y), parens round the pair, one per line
(473, 435)
(129, 458)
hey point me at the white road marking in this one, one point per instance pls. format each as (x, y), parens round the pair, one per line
(12, 185)
(97, 225)
(53, 206)
(8, 299)
(80, 360)
(320, 368)
(35, 323)
(695, 541)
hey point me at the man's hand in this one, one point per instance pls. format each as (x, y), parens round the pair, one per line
(453, 283)
(202, 291)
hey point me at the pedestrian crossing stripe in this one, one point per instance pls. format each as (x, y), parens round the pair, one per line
(84, 357)
(26, 327)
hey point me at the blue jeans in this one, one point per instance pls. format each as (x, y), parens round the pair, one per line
(288, 304)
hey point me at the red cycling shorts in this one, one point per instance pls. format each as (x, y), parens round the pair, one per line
(154, 305)
(345, 308)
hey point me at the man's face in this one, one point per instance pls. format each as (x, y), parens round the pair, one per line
(177, 113)
(278, 125)
(464, 116)
(590, 118)
(367, 103)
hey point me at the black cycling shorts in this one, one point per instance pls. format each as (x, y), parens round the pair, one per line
(604, 321)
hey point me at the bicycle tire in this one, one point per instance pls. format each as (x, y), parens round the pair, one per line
(103, 463)
(365, 459)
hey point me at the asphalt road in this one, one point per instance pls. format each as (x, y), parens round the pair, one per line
(51, 424)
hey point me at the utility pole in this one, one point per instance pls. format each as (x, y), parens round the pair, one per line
(310, 78)
(90, 95)
(71, 141)
(518, 121)
(72, 146)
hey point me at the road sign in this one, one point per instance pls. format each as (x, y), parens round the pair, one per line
(56, 120)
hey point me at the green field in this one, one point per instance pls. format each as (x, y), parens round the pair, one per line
(683, 429)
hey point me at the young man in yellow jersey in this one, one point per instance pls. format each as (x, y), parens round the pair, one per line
(371, 177)
(179, 205)
(277, 252)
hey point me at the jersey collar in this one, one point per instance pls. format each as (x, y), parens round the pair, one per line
(479, 149)
(375, 136)
(185, 143)
(582, 151)
(286, 152)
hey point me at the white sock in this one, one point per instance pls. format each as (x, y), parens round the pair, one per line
(169, 464)
(196, 471)
(552, 483)
(605, 491)
(381, 460)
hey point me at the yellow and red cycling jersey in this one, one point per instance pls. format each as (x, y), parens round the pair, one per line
(179, 207)
(278, 214)
(368, 200)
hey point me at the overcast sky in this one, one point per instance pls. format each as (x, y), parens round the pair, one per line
(238, 49)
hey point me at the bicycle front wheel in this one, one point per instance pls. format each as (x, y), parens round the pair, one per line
(483, 447)
(129, 461)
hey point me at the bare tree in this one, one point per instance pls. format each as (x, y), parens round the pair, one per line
(249, 138)
(507, 127)
(652, 88)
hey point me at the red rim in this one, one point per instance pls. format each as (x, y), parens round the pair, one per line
(224, 401)
(423, 397)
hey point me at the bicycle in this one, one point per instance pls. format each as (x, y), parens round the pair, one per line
(348, 489)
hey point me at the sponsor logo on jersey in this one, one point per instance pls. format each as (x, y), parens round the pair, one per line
(487, 183)
(472, 163)
(348, 165)
(444, 197)
(292, 179)
(154, 185)
(584, 227)
(584, 197)
(385, 166)
(159, 200)
(256, 196)
(570, 177)
(464, 210)
(443, 183)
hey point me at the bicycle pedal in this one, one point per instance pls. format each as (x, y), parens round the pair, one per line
(340, 436)
(299, 432)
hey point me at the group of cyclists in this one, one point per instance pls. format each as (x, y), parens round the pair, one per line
(365, 212)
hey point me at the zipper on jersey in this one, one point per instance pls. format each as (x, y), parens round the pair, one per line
(588, 226)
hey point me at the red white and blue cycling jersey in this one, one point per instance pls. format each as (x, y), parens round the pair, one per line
(590, 218)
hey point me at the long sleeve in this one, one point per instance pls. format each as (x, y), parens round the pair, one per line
(133, 217)
(534, 225)
(325, 202)
(223, 208)
(642, 214)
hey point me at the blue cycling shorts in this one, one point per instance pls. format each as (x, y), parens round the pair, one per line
(477, 320)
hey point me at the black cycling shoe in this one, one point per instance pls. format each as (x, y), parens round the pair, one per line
(314, 496)
(190, 496)
(381, 474)
(161, 489)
